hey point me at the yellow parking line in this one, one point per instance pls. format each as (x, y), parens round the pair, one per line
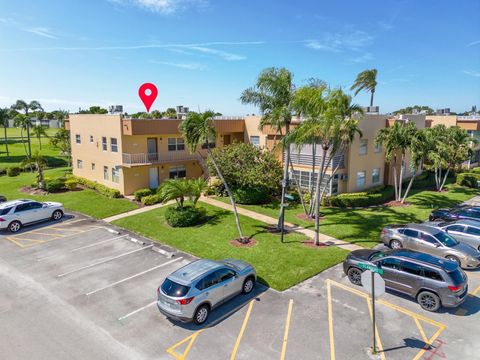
(192, 338)
(429, 343)
(330, 321)
(242, 330)
(377, 334)
(46, 234)
(420, 329)
(12, 240)
(287, 327)
(477, 290)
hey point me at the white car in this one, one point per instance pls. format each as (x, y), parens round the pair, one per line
(14, 214)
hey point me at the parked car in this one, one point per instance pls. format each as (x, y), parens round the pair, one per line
(436, 242)
(432, 281)
(2, 199)
(457, 213)
(193, 291)
(465, 231)
(17, 213)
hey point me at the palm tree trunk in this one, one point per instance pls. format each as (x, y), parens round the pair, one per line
(408, 188)
(314, 155)
(6, 139)
(395, 186)
(439, 177)
(40, 141)
(400, 180)
(317, 198)
(41, 182)
(371, 98)
(299, 189)
(436, 177)
(232, 200)
(23, 142)
(28, 138)
(444, 179)
(284, 180)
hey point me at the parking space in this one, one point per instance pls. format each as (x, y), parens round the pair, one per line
(96, 287)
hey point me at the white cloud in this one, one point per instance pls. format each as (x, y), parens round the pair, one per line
(473, 73)
(336, 42)
(164, 7)
(41, 31)
(362, 58)
(223, 54)
(187, 66)
(473, 43)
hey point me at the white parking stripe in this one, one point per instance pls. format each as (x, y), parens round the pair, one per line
(98, 243)
(104, 261)
(133, 276)
(137, 311)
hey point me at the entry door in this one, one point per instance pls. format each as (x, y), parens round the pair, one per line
(152, 149)
(153, 178)
(226, 140)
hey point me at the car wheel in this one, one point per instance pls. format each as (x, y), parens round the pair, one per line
(57, 215)
(395, 244)
(248, 285)
(15, 226)
(454, 259)
(431, 218)
(201, 314)
(355, 276)
(429, 301)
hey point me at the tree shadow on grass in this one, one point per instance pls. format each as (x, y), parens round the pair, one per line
(214, 217)
(434, 200)
(52, 161)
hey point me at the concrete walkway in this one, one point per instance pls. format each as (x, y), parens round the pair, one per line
(475, 201)
(289, 226)
(136, 211)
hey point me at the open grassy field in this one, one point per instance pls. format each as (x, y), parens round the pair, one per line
(85, 201)
(17, 149)
(279, 265)
(363, 226)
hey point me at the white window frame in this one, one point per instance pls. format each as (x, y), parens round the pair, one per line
(113, 147)
(104, 143)
(255, 140)
(373, 175)
(79, 164)
(115, 175)
(378, 148)
(363, 149)
(178, 144)
(364, 175)
(78, 139)
(105, 173)
(177, 169)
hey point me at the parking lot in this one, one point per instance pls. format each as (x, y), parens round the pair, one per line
(82, 289)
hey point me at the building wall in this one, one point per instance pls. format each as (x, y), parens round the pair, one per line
(447, 120)
(90, 153)
(252, 122)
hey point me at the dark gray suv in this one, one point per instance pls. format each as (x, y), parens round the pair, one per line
(432, 281)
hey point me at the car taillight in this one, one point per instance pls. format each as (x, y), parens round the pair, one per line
(384, 231)
(186, 301)
(2, 219)
(158, 290)
(454, 288)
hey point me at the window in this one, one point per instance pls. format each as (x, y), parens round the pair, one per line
(177, 172)
(115, 175)
(363, 147)
(225, 274)
(255, 140)
(334, 186)
(78, 139)
(445, 239)
(207, 281)
(36, 205)
(360, 179)
(412, 268)
(91, 138)
(378, 148)
(376, 176)
(22, 207)
(93, 166)
(473, 231)
(5, 211)
(390, 263)
(176, 144)
(105, 173)
(432, 274)
(113, 145)
(411, 233)
(428, 238)
(457, 228)
(171, 288)
(79, 164)
(104, 143)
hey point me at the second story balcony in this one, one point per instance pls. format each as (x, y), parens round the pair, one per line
(140, 159)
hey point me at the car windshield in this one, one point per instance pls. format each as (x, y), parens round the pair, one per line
(445, 239)
(376, 255)
(171, 288)
(457, 276)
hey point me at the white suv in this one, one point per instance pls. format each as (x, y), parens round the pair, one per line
(14, 214)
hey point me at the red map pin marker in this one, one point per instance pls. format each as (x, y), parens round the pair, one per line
(148, 93)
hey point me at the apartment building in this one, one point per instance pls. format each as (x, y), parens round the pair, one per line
(130, 154)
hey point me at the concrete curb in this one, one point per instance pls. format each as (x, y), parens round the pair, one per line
(163, 252)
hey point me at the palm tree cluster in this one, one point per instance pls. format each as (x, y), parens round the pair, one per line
(181, 189)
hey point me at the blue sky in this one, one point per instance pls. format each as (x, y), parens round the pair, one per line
(203, 53)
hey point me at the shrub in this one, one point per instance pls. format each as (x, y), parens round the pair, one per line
(183, 217)
(140, 193)
(102, 189)
(374, 196)
(468, 179)
(215, 187)
(13, 171)
(250, 196)
(55, 185)
(71, 184)
(475, 170)
(151, 199)
(3, 171)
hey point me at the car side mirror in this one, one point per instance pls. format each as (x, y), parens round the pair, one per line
(437, 245)
(44, 205)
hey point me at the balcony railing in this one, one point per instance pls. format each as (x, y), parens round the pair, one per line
(157, 158)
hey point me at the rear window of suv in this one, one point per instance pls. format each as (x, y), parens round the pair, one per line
(5, 211)
(171, 288)
(456, 276)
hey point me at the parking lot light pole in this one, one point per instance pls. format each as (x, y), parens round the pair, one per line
(373, 313)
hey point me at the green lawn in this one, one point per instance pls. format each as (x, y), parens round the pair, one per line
(278, 265)
(85, 201)
(363, 226)
(17, 150)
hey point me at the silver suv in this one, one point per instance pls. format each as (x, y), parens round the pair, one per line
(191, 292)
(432, 281)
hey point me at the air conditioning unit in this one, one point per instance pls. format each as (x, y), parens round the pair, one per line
(373, 109)
(343, 177)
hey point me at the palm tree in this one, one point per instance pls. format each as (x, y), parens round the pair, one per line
(396, 139)
(366, 80)
(180, 189)
(39, 131)
(21, 105)
(274, 93)
(39, 163)
(61, 141)
(196, 129)
(4, 116)
(23, 122)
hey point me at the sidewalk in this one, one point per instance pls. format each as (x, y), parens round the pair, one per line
(135, 212)
(475, 201)
(289, 226)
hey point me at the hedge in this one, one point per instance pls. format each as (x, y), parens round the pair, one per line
(71, 183)
(55, 185)
(374, 196)
(475, 170)
(13, 171)
(183, 217)
(151, 199)
(140, 193)
(468, 179)
(250, 196)
(102, 189)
